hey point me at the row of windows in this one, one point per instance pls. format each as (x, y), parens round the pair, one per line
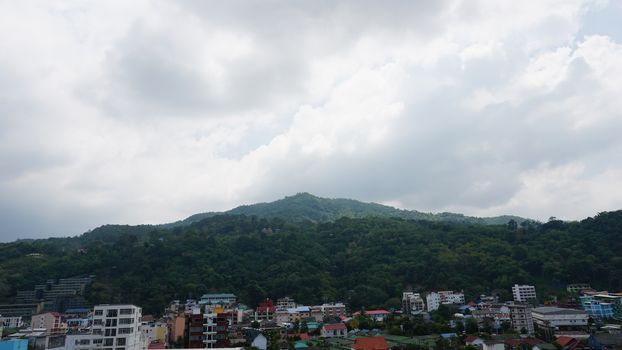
(115, 312)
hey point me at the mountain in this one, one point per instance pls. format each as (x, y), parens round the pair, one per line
(365, 262)
(305, 207)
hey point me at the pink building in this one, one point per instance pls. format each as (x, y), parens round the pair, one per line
(51, 321)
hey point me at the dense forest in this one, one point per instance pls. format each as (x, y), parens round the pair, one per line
(364, 262)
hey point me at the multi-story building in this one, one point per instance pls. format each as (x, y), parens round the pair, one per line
(520, 317)
(265, 311)
(50, 321)
(285, 303)
(576, 288)
(11, 322)
(333, 310)
(412, 303)
(602, 305)
(193, 332)
(224, 299)
(445, 297)
(58, 294)
(21, 310)
(550, 319)
(523, 293)
(215, 328)
(118, 327)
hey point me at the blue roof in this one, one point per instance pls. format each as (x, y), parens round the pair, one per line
(77, 310)
(293, 310)
(448, 335)
(300, 345)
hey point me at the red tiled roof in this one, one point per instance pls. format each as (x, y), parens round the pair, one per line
(470, 339)
(373, 312)
(264, 309)
(304, 336)
(564, 340)
(334, 327)
(375, 343)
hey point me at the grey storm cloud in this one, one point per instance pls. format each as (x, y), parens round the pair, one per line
(147, 112)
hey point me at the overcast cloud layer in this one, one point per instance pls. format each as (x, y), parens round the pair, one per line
(150, 111)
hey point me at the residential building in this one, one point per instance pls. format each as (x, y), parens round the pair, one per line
(521, 318)
(576, 288)
(155, 332)
(285, 303)
(14, 344)
(495, 314)
(550, 319)
(50, 321)
(445, 297)
(58, 294)
(225, 299)
(11, 322)
(599, 309)
(117, 326)
(377, 315)
(523, 293)
(193, 331)
(333, 310)
(265, 311)
(25, 310)
(372, 343)
(259, 341)
(298, 313)
(473, 340)
(334, 330)
(176, 326)
(412, 303)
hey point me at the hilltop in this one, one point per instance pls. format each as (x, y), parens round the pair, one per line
(305, 207)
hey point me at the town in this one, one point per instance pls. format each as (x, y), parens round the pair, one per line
(55, 316)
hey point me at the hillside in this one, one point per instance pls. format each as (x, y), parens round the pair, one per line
(364, 262)
(304, 207)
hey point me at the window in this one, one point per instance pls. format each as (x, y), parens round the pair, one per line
(84, 342)
(111, 323)
(108, 341)
(126, 311)
(97, 341)
(99, 312)
(111, 313)
(111, 332)
(97, 332)
(125, 331)
(126, 320)
(120, 341)
(97, 322)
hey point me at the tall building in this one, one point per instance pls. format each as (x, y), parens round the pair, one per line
(412, 303)
(444, 297)
(118, 327)
(523, 293)
(58, 294)
(520, 317)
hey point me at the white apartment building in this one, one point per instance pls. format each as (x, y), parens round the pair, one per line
(412, 303)
(115, 327)
(559, 318)
(523, 293)
(445, 297)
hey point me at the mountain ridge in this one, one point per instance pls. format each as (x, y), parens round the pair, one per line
(305, 206)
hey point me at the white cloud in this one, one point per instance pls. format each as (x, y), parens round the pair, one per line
(152, 111)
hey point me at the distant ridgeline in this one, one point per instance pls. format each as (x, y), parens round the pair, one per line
(307, 207)
(297, 251)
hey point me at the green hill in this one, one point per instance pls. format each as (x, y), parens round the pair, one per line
(363, 261)
(304, 207)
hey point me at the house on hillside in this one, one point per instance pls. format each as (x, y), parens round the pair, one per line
(335, 330)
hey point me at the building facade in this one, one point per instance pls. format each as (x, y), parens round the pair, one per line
(523, 293)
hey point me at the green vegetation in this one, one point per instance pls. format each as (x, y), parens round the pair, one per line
(364, 262)
(305, 207)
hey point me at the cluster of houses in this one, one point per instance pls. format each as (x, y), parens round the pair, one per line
(220, 321)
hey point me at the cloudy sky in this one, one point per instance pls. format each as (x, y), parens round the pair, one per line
(150, 111)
